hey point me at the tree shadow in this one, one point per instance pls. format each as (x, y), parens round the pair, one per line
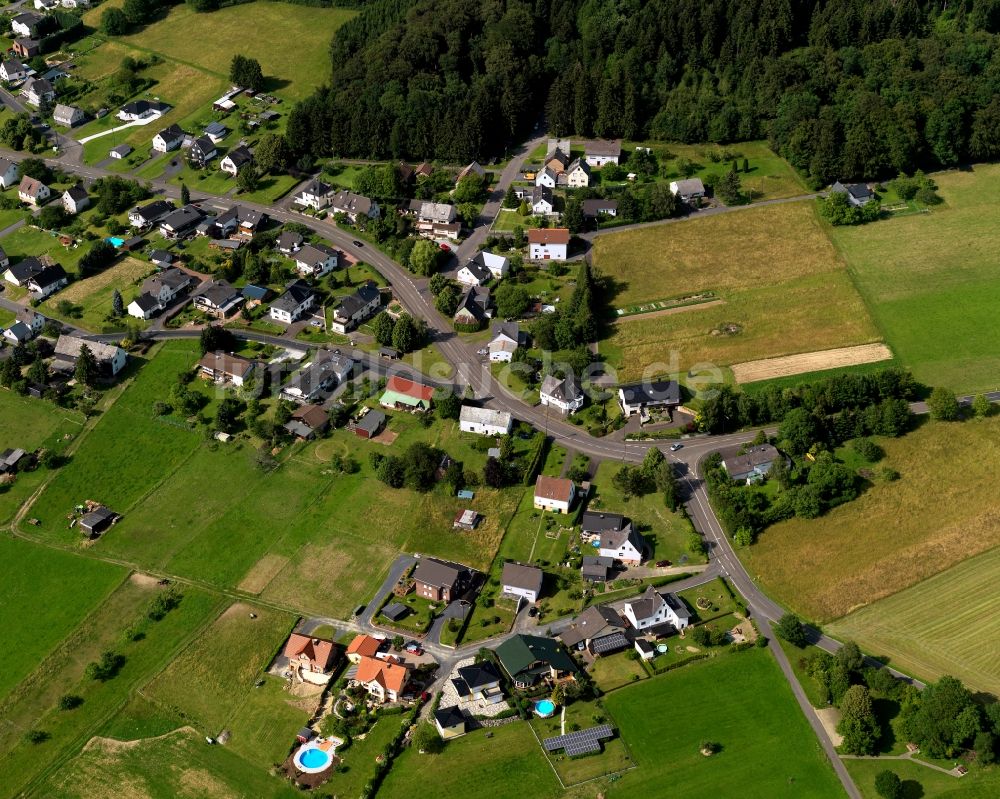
(885, 711)
(273, 83)
(912, 790)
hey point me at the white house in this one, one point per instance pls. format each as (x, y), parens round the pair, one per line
(120, 152)
(473, 274)
(12, 70)
(625, 544)
(356, 307)
(110, 359)
(33, 192)
(677, 612)
(68, 115)
(168, 139)
(648, 610)
(143, 306)
(578, 174)
(32, 319)
(594, 209)
(506, 339)
(48, 281)
(297, 300)
(562, 393)
(235, 159)
(688, 189)
(326, 371)
(548, 244)
(10, 172)
(547, 177)
(315, 194)
(554, 493)
(598, 153)
(18, 333)
(353, 205)
(521, 581)
(484, 422)
(75, 199)
(166, 285)
(316, 259)
(26, 24)
(541, 201)
(149, 214)
(654, 394)
(142, 109)
(37, 91)
(497, 264)
(857, 193)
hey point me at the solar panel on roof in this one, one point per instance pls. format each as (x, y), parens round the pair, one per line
(609, 642)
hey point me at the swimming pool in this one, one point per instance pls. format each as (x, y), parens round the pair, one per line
(117, 241)
(312, 759)
(544, 708)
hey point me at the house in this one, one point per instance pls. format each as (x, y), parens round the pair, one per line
(369, 425)
(507, 337)
(202, 151)
(473, 274)
(479, 682)
(48, 281)
(752, 465)
(406, 394)
(10, 172)
(541, 201)
(26, 24)
(166, 285)
(222, 367)
(406, 172)
(857, 193)
(96, 521)
(439, 581)
(425, 170)
(649, 610)
(33, 192)
(168, 139)
(237, 158)
(601, 152)
(288, 242)
(578, 174)
(599, 628)
(13, 70)
(216, 131)
(677, 613)
(688, 189)
(547, 178)
(142, 109)
(310, 658)
(20, 273)
(625, 544)
(75, 199)
(557, 153)
(362, 646)
(473, 308)
(355, 308)
(521, 581)
(641, 397)
(596, 569)
(307, 422)
(238, 221)
(25, 47)
(484, 422)
(548, 244)
(143, 306)
(554, 493)
(68, 116)
(384, 680)
(34, 320)
(217, 298)
(120, 152)
(297, 300)
(315, 194)
(110, 359)
(497, 264)
(148, 215)
(562, 393)
(594, 209)
(76, 3)
(595, 523)
(254, 295)
(430, 213)
(327, 370)
(528, 659)
(450, 722)
(475, 168)
(353, 205)
(316, 259)
(179, 223)
(18, 333)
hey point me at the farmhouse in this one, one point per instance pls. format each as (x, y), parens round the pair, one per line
(237, 158)
(625, 544)
(307, 422)
(148, 215)
(439, 581)
(38, 91)
(507, 337)
(356, 307)
(222, 367)
(310, 658)
(168, 139)
(13, 70)
(315, 194)
(601, 152)
(110, 359)
(688, 189)
(68, 116)
(369, 425)
(217, 298)
(354, 205)
(522, 581)
(33, 192)
(529, 659)
(562, 393)
(325, 372)
(316, 259)
(578, 174)
(857, 193)
(595, 209)
(385, 681)
(484, 422)
(298, 299)
(642, 397)
(75, 199)
(599, 628)
(548, 244)
(142, 109)
(752, 465)
(554, 493)
(407, 395)
(10, 172)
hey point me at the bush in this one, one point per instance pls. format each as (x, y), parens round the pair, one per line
(867, 449)
(36, 736)
(70, 701)
(791, 629)
(106, 668)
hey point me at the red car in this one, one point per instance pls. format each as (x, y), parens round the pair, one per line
(661, 564)
(444, 247)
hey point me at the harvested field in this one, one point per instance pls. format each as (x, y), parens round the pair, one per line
(265, 570)
(697, 306)
(768, 368)
(128, 270)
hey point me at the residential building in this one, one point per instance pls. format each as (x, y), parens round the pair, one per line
(554, 493)
(18, 333)
(435, 220)
(307, 422)
(255, 295)
(548, 244)
(528, 659)
(599, 628)
(13, 70)
(473, 308)
(297, 300)
(857, 193)
(507, 337)
(48, 281)
(362, 646)
(143, 306)
(237, 158)
(541, 201)
(120, 152)
(216, 131)
(142, 109)
(25, 47)
(288, 242)
(649, 610)
(596, 569)
(424, 170)
(326, 371)
(450, 722)
(34, 320)
(33, 192)
(356, 308)
(354, 206)
(497, 264)
(20, 273)
(484, 421)
(110, 359)
(595, 209)
(166, 285)
(222, 367)
(37, 92)
(217, 298)
(310, 658)
(652, 395)
(557, 151)
(316, 259)
(439, 581)
(475, 168)
(10, 172)
(522, 581)
(595, 523)
(202, 151)
(578, 174)
(168, 139)
(407, 395)
(601, 152)
(626, 545)
(473, 274)
(239, 221)
(677, 613)
(315, 195)
(26, 24)
(75, 199)
(562, 393)
(688, 189)
(384, 680)
(68, 116)
(752, 465)
(149, 214)
(547, 178)
(479, 682)
(178, 224)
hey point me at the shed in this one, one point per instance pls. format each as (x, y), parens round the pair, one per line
(395, 611)
(370, 425)
(97, 521)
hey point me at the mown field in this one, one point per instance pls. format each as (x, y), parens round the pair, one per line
(785, 290)
(942, 625)
(931, 282)
(924, 783)
(941, 511)
(96, 294)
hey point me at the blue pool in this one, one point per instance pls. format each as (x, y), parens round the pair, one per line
(118, 242)
(312, 759)
(545, 708)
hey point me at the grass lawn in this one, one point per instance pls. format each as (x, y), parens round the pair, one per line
(741, 702)
(895, 534)
(783, 287)
(938, 626)
(263, 724)
(96, 295)
(932, 298)
(614, 671)
(29, 240)
(359, 758)
(213, 676)
(925, 783)
(44, 594)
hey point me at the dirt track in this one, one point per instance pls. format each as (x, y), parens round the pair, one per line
(768, 368)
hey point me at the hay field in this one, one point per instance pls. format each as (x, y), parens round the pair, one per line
(769, 368)
(948, 624)
(943, 510)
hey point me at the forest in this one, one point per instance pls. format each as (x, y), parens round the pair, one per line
(842, 88)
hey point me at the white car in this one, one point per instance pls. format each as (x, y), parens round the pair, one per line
(675, 447)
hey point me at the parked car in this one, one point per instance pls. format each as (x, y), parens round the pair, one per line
(444, 247)
(532, 612)
(675, 447)
(662, 564)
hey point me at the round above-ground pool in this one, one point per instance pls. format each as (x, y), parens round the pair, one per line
(544, 708)
(312, 759)
(661, 648)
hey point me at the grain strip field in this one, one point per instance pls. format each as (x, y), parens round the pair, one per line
(769, 368)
